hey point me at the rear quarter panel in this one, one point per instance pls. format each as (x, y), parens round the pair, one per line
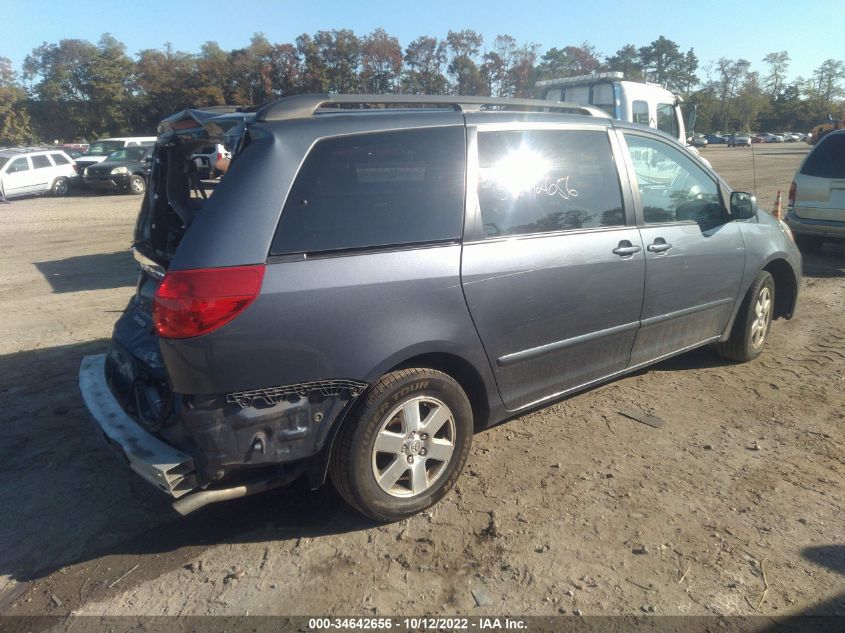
(342, 317)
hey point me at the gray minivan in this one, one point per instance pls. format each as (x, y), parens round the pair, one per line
(378, 277)
(816, 209)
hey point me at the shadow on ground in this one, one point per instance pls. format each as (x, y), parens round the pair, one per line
(90, 272)
(829, 261)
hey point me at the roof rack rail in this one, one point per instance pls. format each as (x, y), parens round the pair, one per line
(304, 106)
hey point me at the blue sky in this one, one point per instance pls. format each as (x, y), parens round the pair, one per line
(811, 30)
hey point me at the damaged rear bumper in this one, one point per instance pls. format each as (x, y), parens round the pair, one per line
(240, 444)
(162, 465)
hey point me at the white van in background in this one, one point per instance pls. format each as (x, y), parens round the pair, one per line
(633, 101)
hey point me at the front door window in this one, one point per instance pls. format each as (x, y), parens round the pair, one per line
(672, 187)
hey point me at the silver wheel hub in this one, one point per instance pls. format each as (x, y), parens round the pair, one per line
(762, 317)
(413, 446)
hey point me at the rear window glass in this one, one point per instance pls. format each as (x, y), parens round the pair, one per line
(827, 160)
(60, 159)
(3, 161)
(40, 161)
(381, 189)
(547, 180)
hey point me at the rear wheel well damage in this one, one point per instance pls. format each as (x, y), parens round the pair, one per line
(461, 370)
(786, 287)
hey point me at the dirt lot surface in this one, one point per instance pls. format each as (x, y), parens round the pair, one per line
(735, 506)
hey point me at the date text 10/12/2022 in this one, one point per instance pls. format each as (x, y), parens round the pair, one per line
(417, 623)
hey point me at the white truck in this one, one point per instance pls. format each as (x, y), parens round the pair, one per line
(633, 101)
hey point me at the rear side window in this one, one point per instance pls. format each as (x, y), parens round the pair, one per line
(40, 161)
(535, 181)
(60, 159)
(382, 189)
(827, 160)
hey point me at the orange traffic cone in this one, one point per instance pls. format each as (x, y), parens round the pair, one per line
(776, 209)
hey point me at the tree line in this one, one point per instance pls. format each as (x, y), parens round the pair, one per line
(75, 89)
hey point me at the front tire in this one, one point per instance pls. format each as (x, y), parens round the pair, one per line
(60, 187)
(137, 185)
(403, 445)
(753, 322)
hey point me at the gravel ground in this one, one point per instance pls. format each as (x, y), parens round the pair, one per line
(734, 507)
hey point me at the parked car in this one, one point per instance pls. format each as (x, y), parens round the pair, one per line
(771, 138)
(739, 140)
(344, 303)
(211, 160)
(699, 140)
(76, 147)
(99, 150)
(28, 170)
(124, 170)
(816, 210)
(715, 139)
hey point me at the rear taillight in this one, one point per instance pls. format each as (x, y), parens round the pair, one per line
(792, 190)
(194, 302)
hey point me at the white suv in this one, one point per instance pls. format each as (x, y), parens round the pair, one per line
(27, 170)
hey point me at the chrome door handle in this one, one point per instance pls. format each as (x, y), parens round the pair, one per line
(659, 246)
(626, 249)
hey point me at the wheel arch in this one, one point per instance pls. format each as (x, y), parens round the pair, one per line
(464, 373)
(786, 287)
(455, 365)
(786, 291)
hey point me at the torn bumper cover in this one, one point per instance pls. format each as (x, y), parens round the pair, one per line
(167, 468)
(234, 445)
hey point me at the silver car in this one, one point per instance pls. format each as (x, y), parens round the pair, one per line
(817, 194)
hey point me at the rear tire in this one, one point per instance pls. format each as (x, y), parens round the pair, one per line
(403, 445)
(753, 322)
(137, 185)
(808, 243)
(60, 187)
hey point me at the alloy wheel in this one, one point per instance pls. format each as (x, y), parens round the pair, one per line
(413, 446)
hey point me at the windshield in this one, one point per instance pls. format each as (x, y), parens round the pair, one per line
(104, 148)
(128, 154)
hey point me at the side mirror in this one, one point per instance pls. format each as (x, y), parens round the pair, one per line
(743, 205)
